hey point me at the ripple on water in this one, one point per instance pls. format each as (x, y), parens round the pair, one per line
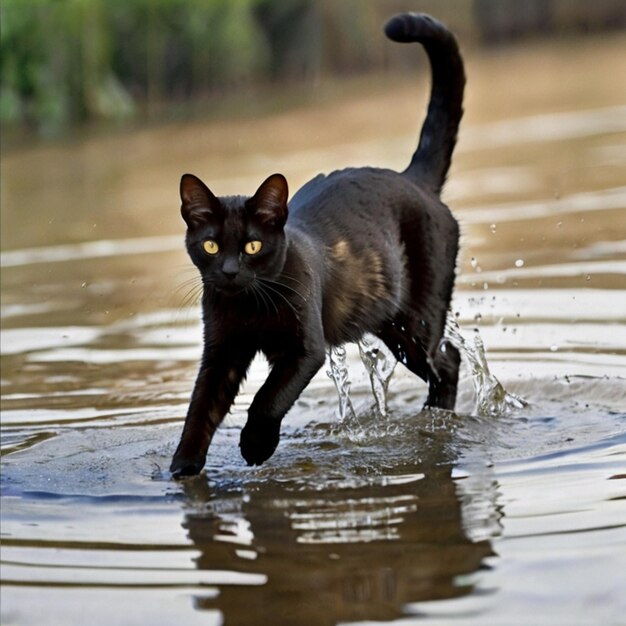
(421, 515)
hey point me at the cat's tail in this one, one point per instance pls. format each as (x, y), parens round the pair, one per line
(431, 160)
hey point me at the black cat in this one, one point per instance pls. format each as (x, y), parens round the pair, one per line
(360, 250)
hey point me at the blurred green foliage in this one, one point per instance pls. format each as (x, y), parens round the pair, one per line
(64, 62)
(67, 61)
(55, 64)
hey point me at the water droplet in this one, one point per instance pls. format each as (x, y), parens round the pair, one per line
(492, 228)
(519, 263)
(474, 264)
(588, 277)
(85, 284)
(478, 317)
(554, 347)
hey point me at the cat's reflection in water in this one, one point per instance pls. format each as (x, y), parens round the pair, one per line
(338, 552)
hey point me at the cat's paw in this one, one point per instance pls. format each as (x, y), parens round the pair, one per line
(187, 465)
(259, 440)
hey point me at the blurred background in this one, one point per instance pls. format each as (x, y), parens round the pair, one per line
(65, 63)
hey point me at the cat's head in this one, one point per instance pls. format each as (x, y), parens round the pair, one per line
(235, 240)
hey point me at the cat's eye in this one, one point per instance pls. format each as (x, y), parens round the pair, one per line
(210, 246)
(252, 247)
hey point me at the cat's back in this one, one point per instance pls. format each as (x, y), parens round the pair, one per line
(348, 189)
(364, 202)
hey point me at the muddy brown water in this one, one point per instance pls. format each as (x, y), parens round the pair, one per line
(429, 518)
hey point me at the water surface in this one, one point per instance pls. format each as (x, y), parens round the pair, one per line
(515, 516)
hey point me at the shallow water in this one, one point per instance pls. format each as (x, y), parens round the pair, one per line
(436, 518)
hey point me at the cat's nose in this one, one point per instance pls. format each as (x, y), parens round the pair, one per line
(230, 269)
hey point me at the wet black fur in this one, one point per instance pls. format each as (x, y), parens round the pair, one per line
(360, 250)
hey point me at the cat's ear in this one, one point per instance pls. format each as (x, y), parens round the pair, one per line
(198, 202)
(269, 203)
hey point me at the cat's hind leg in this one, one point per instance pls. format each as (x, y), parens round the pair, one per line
(435, 362)
(443, 382)
(429, 235)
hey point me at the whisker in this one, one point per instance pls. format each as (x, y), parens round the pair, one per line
(266, 297)
(192, 297)
(291, 277)
(277, 282)
(257, 299)
(195, 281)
(278, 293)
(192, 288)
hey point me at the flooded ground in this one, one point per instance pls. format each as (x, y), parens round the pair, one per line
(517, 517)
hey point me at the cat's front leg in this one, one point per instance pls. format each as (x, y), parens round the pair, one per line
(217, 384)
(289, 376)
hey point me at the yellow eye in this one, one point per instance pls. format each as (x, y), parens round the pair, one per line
(252, 247)
(210, 247)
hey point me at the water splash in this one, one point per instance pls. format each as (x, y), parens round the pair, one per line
(491, 397)
(338, 372)
(379, 363)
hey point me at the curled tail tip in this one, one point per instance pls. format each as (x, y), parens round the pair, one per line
(431, 161)
(410, 27)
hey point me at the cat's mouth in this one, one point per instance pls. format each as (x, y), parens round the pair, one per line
(229, 289)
